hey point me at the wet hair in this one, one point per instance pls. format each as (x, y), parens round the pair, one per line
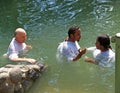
(72, 30)
(104, 41)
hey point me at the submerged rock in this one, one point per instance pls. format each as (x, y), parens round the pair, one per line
(19, 78)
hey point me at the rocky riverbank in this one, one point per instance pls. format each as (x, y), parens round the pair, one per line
(19, 78)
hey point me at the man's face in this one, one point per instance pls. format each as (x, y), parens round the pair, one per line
(77, 35)
(98, 45)
(21, 37)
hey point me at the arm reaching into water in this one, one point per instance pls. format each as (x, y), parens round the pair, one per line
(29, 60)
(28, 47)
(91, 48)
(91, 60)
(15, 57)
(88, 59)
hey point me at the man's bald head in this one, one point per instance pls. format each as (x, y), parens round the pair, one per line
(19, 30)
(20, 35)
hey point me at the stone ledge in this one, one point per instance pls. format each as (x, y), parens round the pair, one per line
(19, 78)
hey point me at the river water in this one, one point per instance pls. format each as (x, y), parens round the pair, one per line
(47, 23)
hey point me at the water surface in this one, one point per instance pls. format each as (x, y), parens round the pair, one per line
(46, 23)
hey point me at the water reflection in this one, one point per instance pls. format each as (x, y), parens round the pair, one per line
(36, 14)
(45, 12)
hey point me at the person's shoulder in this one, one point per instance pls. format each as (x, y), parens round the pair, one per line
(60, 44)
(13, 41)
(111, 52)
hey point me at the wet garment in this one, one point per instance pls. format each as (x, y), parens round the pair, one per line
(15, 49)
(106, 58)
(68, 50)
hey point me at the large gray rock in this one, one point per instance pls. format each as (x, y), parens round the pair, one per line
(19, 78)
(15, 75)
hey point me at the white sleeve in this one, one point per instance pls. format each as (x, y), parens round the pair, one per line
(91, 48)
(78, 47)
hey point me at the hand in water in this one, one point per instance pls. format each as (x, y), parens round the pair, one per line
(32, 61)
(28, 47)
(83, 51)
(91, 60)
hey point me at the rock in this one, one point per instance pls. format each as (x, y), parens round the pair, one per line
(19, 78)
(18, 88)
(7, 88)
(27, 84)
(3, 77)
(15, 75)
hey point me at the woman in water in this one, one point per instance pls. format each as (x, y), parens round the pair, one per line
(103, 54)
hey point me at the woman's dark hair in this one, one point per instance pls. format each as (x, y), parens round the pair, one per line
(104, 41)
(72, 30)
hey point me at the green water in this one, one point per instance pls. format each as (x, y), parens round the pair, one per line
(46, 23)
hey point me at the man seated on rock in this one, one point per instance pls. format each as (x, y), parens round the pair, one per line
(18, 46)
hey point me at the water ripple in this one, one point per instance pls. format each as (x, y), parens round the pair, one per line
(38, 11)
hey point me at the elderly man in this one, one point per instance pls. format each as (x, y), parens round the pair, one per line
(18, 46)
